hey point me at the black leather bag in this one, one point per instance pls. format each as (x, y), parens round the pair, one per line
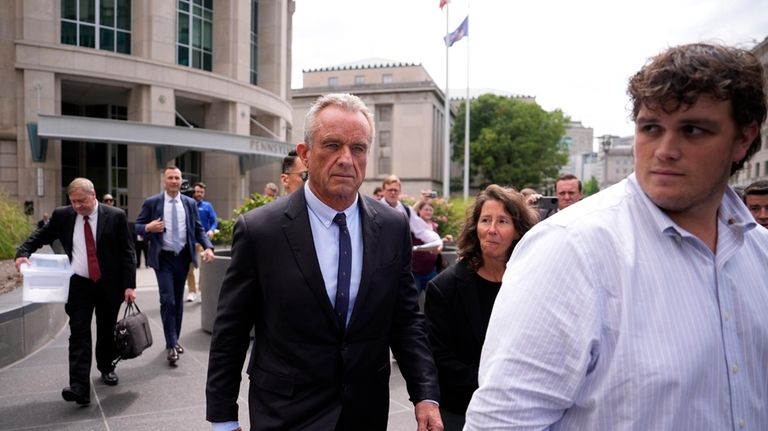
(132, 333)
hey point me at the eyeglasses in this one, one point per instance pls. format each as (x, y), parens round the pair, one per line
(303, 174)
(108, 200)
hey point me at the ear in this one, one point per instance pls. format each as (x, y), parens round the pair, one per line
(302, 150)
(744, 141)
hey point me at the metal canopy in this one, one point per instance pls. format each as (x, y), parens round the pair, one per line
(89, 129)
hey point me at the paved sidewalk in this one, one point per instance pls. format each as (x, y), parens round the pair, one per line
(151, 395)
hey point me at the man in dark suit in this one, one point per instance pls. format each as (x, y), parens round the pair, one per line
(323, 278)
(171, 224)
(99, 245)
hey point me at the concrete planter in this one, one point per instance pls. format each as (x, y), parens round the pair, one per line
(211, 276)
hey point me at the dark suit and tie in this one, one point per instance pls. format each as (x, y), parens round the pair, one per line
(171, 224)
(100, 247)
(323, 278)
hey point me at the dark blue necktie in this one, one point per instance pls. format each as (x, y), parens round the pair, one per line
(345, 270)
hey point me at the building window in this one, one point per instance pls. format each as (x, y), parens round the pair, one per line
(359, 79)
(385, 152)
(100, 24)
(333, 81)
(254, 41)
(386, 79)
(757, 170)
(194, 44)
(384, 112)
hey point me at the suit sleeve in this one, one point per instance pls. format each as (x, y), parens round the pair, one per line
(409, 335)
(144, 217)
(125, 248)
(45, 235)
(238, 302)
(201, 236)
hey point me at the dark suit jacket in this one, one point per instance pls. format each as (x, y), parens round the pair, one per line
(304, 369)
(456, 333)
(114, 245)
(152, 209)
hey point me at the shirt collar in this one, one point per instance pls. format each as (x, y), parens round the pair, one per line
(169, 197)
(731, 212)
(323, 212)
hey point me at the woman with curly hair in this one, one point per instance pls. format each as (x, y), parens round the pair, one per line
(459, 300)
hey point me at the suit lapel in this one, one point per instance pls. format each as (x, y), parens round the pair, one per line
(102, 221)
(69, 227)
(371, 228)
(298, 233)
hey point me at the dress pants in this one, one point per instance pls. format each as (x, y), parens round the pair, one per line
(171, 275)
(85, 296)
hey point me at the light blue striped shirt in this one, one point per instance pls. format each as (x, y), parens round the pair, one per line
(325, 234)
(612, 317)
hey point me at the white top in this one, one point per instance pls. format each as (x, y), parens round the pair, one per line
(79, 251)
(168, 220)
(613, 317)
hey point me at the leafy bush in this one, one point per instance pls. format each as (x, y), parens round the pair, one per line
(448, 214)
(14, 227)
(227, 226)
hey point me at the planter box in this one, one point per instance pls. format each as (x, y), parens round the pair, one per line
(211, 276)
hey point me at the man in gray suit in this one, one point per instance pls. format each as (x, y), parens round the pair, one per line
(323, 278)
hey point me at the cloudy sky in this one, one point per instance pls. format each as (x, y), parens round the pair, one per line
(571, 55)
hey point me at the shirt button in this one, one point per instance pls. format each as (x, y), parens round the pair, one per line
(735, 368)
(742, 423)
(727, 317)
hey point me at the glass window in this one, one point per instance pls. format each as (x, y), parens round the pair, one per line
(95, 24)
(194, 34)
(386, 79)
(69, 9)
(333, 81)
(359, 80)
(254, 41)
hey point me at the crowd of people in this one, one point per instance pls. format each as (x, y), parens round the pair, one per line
(641, 307)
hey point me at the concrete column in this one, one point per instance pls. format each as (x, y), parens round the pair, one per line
(41, 94)
(274, 65)
(224, 189)
(153, 105)
(232, 39)
(153, 30)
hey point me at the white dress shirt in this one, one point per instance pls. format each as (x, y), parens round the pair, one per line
(168, 221)
(613, 317)
(79, 251)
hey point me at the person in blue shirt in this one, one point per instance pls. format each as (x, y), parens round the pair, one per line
(210, 225)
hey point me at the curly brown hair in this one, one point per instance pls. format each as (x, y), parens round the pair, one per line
(523, 219)
(677, 77)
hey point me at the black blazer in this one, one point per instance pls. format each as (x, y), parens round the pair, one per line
(114, 245)
(305, 372)
(456, 333)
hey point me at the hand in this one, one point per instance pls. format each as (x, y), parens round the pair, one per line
(428, 417)
(207, 255)
(19, 261)
(210, 234)
(130, 295)
(155, 226)
(532, 199)
(448, 238)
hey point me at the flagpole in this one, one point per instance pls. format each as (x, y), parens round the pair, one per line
(466, 127)
(447, 125)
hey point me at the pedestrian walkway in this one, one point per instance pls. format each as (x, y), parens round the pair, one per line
(151, 395)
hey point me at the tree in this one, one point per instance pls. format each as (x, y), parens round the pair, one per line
(512, 142)
(591, 187)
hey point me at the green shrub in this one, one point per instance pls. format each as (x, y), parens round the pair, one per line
(14, 227)
(449, 215)
(227, 226)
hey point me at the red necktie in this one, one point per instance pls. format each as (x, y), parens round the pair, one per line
(94, 273)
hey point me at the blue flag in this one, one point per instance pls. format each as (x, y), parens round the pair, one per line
(458, 34)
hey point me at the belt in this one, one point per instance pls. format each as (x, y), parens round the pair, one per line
(173, 253)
